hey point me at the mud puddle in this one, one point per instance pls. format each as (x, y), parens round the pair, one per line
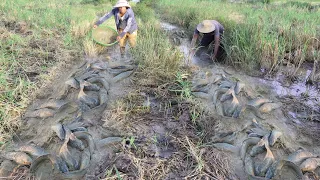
(239, 113)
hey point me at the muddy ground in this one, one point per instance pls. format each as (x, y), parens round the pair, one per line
(151, 133)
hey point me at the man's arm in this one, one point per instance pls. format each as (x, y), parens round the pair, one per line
(103, 18)
(216, 46)
(194, 40)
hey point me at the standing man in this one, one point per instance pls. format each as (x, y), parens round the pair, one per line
(212, 31)
(126, 24)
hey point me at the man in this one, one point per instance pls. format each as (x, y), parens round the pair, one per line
(126, 24)
(212, 31)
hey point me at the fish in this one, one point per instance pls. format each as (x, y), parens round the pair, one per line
(259, 131)
(40, 113)
(274, 137)
(249, 166)
(122, 67)
(226, 84)
(217, 93)
(91, 87)
(116, 72)
(109, 141)
(73, 140)
(103, 96)
(100, 80)
(227, 95)
(85, 159)
(20, 158)
(229, 108)
(245, 144)
(255, 111)
(87, 137)
(65, 154)
(6, 168)
(73, 83)
(99, 66)
(121, 76)
(200, 88)
(83, 107)
(62, 165)
(254, 135)
(227, 137)
(299, 156)
(35, 151)
(90, 101)
(239, 109)
(79, 129)
(268, 107)
(217, 79)
(53, 104)
(59, 130)
(55, 166)
(238, 87)
(256, 124)
(260, 146)
(87, 75)
(201, 95)
(267, 162)
(201, 82)
(257, 102)
(277, 166)
(310, 164)
(63, 92)
(226, 147)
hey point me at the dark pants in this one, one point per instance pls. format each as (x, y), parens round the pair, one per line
(206, 40)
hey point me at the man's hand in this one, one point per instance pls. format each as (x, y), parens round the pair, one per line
(118, 38)
(191, 52)
(213, 58)
(95, 26)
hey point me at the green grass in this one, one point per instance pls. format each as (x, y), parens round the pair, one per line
(158, 59)
(255, 34)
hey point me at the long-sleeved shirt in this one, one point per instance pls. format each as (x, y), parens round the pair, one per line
(128, 18)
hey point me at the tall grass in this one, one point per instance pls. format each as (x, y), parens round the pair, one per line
(255, 35)
(158, 60)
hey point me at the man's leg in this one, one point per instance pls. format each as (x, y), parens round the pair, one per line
(122, 44)
(133, 39)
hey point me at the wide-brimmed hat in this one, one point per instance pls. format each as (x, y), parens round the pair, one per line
(122, 3)
(206, 26)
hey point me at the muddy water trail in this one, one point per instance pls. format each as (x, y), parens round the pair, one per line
(261, 108)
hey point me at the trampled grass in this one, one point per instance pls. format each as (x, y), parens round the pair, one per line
(256, 35)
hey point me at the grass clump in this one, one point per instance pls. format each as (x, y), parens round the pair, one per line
(158, 60)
